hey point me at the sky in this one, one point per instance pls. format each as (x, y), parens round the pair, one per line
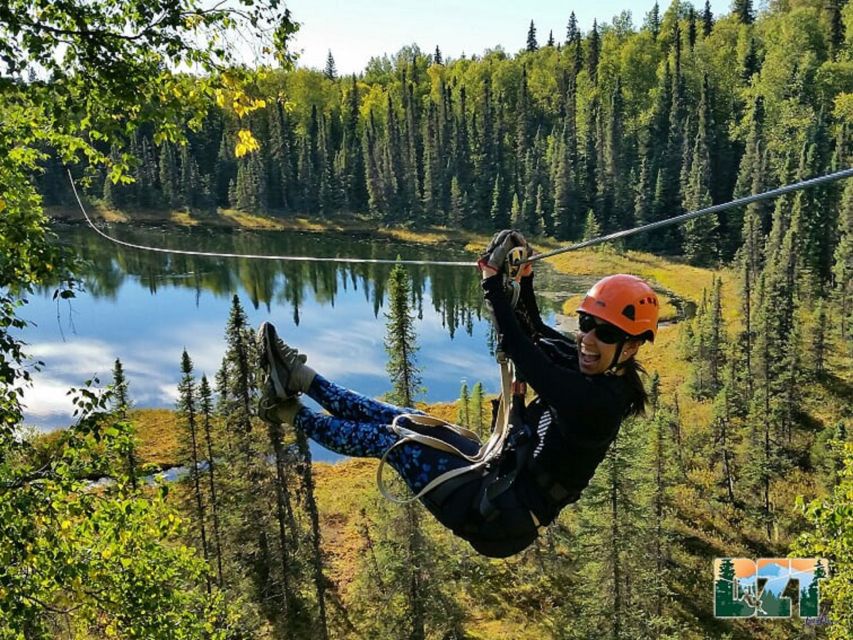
(356, 30)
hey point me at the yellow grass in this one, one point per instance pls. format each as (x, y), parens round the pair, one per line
(183, 218)
(419, 237)
(306, 224)
(157, 435)
(110, 215)
(339, 513)
(682, 280)
(251, 220)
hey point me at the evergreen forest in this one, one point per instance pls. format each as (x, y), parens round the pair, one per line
(745, 450)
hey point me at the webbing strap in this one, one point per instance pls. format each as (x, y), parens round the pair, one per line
(492, 447)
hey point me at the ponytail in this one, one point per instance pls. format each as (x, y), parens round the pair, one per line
(640, 399)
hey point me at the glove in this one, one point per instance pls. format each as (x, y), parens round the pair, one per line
(494, 258)
(520, 241)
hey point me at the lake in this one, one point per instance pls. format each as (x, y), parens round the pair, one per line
(145, 308)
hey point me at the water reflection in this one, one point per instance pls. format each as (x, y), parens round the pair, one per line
(145, 308)
(453, 291)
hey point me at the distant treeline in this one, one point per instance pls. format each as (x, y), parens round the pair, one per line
(604, 130)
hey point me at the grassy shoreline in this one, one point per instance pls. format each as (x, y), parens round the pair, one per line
(360, 224)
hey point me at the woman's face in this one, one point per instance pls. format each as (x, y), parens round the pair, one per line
(595, 356)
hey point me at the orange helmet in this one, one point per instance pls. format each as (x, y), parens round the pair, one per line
(626, 302)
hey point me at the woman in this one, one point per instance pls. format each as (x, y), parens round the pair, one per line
(584, 389)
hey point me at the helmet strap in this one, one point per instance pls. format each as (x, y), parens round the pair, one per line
(615, 365)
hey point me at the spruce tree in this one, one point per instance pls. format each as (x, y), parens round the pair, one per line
(431, 205)
(836, 27)
(515, 216)
(206, 409)
(461, 152)
(478, 410)
(541, 214)
(169, 180)
(696, 349)
(700, 234)
(532, 45)
(436, 58)
(614, 185)
(238, 393)
(288, 535)
(818, 339)
(499, 215)
(413, 155)
(716, 337)
(463, 407)
(588, 165)
(643, 194)
(747, 55)
(691, 27)
(392, 170)
(316, 560)
(486, 165)
(524, 119)
(610, 528)
(751, 179)
(572, 31)
(191, 193)
(121, 398)
(593, 52)
(330, 72)
(122, 404)
(652, 20)
(658, 538)
(251, 184)
(355, 184)
(842, 270)
(707, 19)
(188, 410)
(530, 219)
(564, 197)
(458, 205)
(400, 340)
(742, 9)
(550, 39)
(145, 173)
(574, 41)
(591, 227)
(372, 166)
(813, 215)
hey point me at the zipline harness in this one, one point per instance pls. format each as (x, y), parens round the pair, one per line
(512, 389)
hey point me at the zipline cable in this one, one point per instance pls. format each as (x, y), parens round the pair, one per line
(767, 195)
(773, 193)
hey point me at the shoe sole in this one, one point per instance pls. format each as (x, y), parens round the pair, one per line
(267, 338)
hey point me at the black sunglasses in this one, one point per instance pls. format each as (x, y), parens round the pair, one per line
(605, 332)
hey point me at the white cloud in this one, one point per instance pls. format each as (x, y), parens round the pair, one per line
(47, 398)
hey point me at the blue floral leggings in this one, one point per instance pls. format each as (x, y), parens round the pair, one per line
(359, 426)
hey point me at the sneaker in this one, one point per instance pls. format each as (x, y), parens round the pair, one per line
(285, 372)
(275, 411)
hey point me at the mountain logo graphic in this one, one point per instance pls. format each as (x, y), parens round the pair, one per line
(746, 588)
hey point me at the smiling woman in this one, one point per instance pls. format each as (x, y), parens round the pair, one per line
(553, 445)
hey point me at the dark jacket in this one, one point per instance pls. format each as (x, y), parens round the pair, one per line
(568, 428)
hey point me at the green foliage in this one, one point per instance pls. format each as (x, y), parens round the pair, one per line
(105, 561)
(830, 536)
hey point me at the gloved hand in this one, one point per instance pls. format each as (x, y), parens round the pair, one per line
(520, 241)
(494, 258)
